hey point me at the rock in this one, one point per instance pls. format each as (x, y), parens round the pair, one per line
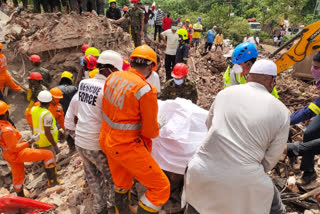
(71, 210)
(3, 192)
(36, 182)
(292, 184)
(1, 181)
(315, 211)
(8, 180)
(308, 212)
(81, 209)
(56, 189)
(74, 198)
(56, 200)
(4, 170)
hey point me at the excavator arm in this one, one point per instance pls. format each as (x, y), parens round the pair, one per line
(308, 43)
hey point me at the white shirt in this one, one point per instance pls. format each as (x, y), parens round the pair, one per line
(248, 131)
(154, 80)
(251, 39)
(72, 111)
(88, 101)
(172, 42)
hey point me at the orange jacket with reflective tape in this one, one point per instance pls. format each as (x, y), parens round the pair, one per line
(55, 109)
(6, 81)
(3, 62)
(130, 110)
(11, 141)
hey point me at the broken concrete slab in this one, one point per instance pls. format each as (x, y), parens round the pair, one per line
(36, 182)
(56, 189)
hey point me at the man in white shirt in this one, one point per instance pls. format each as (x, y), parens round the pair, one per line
(248, 131)
(86, 106)
(154, 79)
(171, 50)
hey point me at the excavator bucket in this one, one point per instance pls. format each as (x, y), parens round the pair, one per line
(309, 43)
(15, 204)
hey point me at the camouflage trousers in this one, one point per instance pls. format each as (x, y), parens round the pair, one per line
(98, 176)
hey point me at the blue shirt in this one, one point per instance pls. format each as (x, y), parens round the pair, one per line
(306, 112)
(210, 36)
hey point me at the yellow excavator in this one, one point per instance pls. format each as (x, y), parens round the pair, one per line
(308, 43)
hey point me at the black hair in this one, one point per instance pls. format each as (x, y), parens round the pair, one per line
(253, 60)
(316, 57)
(36, 63)
(65, 81)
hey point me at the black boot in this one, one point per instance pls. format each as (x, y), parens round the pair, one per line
(71, 145)
(122, 202)
(308, 177)
(143, 209)
(52, 176)
(20, 193)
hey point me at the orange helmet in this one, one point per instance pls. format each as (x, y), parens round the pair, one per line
(84, 47)
(35, 76)
(180, 70)
(90, 61)
(4, 107)
(1, 46)
(35, 58)
(56, 93)
(125, 9)
(145, 52)
(125, 65)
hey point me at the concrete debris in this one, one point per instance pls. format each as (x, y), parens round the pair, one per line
(4, 191)
(56, 189)
(36, 182)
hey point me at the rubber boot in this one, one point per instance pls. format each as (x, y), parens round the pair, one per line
(52, 176)
(143, 209)
(20, 193)
(122, 201)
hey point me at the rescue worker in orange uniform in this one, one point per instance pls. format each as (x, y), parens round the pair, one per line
(15, 151)
(129, 122)
(5, 78)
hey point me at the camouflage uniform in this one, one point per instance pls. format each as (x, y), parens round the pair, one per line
(136, 16)
(98, 176)
(46, 78)
(187, 90)
(35, 91)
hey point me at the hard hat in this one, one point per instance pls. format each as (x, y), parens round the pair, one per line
(125, 65)
(187, 20)
(45, 96)
(183, 32)
(190, 25)
(90, 61)
(229, 54)
(134, 1)
(264, 66)
(153, 7)
(35, 76)
(56, 93)
(84, 47)
(1, 46)
(67, 74)
(199, 19)
(111, 1)
(214, 27)
(244, 52)
(112, 58)
(125, 9)
(4, 107)
(93, 51)
(180, 70)
(35, 58)
(145, 52)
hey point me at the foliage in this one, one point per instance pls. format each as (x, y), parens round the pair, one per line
(263, 35)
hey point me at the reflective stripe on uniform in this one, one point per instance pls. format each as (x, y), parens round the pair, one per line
(5, 149)
(121, 126)
(49, 161)
(119, 190)
(19, 141)
(142, 91)
(17, 186)
(148, 204)
(314, 108)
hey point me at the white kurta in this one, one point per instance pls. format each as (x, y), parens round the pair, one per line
(248, 131)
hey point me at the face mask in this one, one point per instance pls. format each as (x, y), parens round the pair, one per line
(178, 82)
(173, 27)
(146, 8)
(316, 75)
(132, 5)
(81, 61)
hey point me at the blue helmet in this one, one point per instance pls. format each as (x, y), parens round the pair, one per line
(244, 52)
(199, 19)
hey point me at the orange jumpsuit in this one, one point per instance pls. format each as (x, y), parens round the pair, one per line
(129, 122)
(5, 78)
(55, 109)
(15, 151)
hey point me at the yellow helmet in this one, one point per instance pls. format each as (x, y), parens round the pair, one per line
(67, 74)
(183, 32)
(111, 1)
(187, 20)
(92, 51)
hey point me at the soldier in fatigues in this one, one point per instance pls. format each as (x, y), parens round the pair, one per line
(180, 86)
(136, 16)
(46, 77)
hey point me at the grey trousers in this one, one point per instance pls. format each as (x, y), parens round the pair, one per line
(277, 206)
(97, 173)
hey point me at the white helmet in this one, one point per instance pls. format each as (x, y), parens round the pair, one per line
(112, 58)
(45, 96)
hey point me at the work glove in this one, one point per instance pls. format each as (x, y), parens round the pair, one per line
(161, 121)
(34, 138)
